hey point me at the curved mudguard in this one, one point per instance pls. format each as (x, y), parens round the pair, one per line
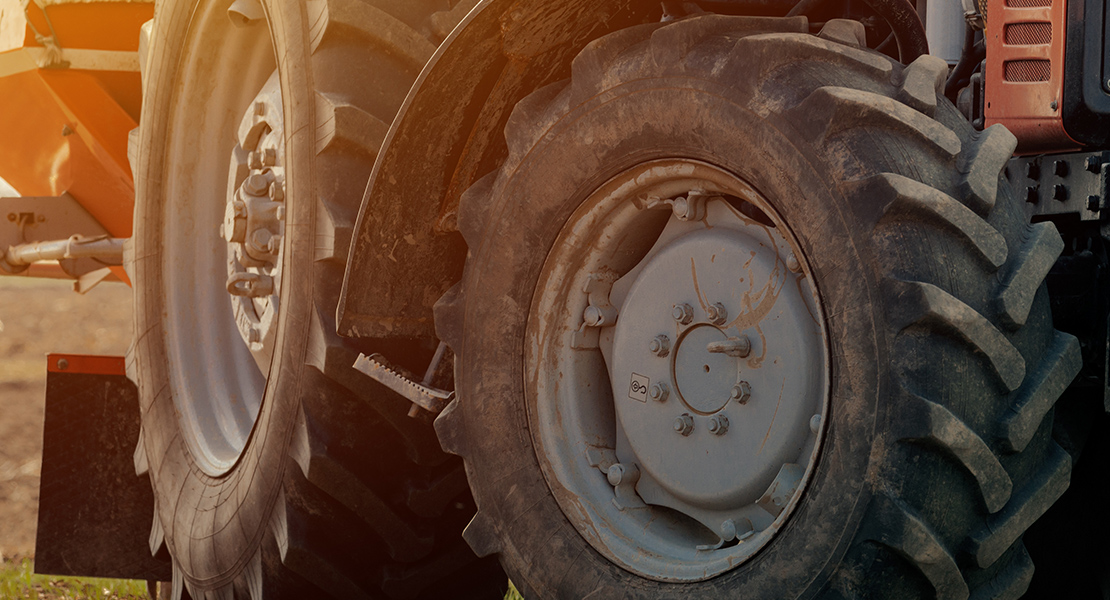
(405, 250)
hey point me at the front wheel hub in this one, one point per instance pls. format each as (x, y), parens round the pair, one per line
(679, 370)
(254, 223)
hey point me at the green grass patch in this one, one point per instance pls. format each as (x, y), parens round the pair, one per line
(18, 581)
(512, 594)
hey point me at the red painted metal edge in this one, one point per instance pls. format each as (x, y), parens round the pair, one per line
(85, 364)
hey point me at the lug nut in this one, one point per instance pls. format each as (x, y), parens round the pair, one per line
(274, 244)
(619, 474)
(684, 424)
(741, 392)
(815, 423)
(260, 239)
(683, 313)
(728, 530)
(717, 313)
(660, 345)
(596, 316)
(234, 228)
(257, 184)
(1094, 165)
(718, 425)
(793, 264)
(659, 392)
(277, 192)
(269, 157)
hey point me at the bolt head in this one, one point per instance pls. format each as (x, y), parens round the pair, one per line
(260, 238)
(684, 424)
(683, 313)
(269, 157)
(660, 345)
(277, 192)
(63, 364)
(1093, 203)
(681, 208)
(256, 185)
(260, 108)
(741, 392)
(718, 425)
(793, 264)
(593, 316)
(615, 474)
(728, 530)
(1060, 167)
(717, 313)
(1060, 192)
(659, 392)
(815, 423)
(1094, 165)
(274, 244)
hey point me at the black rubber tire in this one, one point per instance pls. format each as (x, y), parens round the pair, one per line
(945, 363)
(338, 493)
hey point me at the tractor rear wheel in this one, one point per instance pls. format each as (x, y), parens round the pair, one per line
(277, 470)
(750, 311)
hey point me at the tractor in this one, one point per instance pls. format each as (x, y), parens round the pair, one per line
(614, 299)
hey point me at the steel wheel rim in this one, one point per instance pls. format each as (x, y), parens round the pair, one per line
(595, 452)
(218, 383)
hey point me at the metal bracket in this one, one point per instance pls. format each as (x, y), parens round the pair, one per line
(420, 394)
(1073, 183)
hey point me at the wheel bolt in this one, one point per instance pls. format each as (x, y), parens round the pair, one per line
(683, 313)
(269, 157)
(718, 425)
(256, 185)
(594, 316)
(741, 392)
(717, 313)
(660, 345)
(684, 424)
(793, 264)
(619, 474)
(815, 423)
(659, 392)
(728, 530)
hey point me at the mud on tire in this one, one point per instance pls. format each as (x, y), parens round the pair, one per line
(945, 364)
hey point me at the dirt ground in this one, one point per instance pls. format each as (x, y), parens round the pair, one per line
(37, 317)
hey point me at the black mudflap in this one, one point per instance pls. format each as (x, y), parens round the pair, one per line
(94, 512)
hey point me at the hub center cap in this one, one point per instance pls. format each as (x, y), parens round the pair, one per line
(703, 379)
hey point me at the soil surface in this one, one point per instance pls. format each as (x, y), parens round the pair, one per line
(40, 316)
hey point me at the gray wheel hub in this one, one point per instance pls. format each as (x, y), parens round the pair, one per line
(254, 223)
(677, 370)
(745, 372)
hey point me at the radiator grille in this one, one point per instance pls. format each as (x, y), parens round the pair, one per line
(1028, 3)
(1027, 70)
(1028, 34)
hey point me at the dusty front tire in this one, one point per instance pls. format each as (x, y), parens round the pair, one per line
(914, 470)
(278, 472)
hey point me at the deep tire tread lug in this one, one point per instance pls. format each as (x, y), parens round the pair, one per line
(983, 162)
(1038, 253)
(898, 527)
(922, 82)
(1027, 505)
(1012, 582)
(381, 28)
(341, 123)
(925, 421)
(844, 31)
(1044, 386)
(831, 110)
(916, 202)
(925, 305)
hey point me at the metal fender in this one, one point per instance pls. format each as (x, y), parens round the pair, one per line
(405, 248)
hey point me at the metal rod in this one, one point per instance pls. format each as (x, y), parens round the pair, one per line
(104, 249)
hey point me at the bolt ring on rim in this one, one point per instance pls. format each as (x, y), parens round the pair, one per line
(218, 366)
(676, 370)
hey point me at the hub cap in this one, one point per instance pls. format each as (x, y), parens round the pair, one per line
(696, 345)
(254, 223)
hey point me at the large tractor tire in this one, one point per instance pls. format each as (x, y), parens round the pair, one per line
(751, 312)
(278, 471)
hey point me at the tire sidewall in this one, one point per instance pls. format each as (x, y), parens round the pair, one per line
(629, 125)
(214, 526)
